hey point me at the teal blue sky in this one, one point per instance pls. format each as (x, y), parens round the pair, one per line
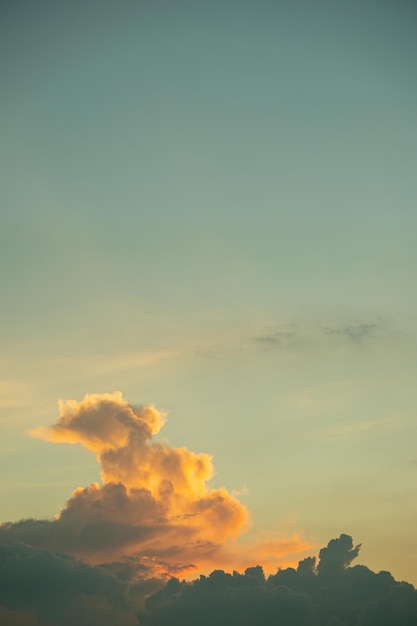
(211, 207)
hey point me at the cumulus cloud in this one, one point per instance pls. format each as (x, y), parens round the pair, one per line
(330, 594)
(154, 516)
(42, 588)
(154, 503)
(338, 554)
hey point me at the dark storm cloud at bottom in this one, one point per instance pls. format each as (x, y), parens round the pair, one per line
(43, 588)
(155, 519)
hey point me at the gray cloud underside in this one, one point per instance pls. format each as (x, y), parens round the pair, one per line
(53, 589)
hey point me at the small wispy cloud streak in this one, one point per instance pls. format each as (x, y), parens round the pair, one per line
(354, 333)
(281, 336)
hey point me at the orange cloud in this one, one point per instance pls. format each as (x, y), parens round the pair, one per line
(101, 422)
(154, 504)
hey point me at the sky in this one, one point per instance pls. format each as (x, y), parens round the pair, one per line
(208, 211)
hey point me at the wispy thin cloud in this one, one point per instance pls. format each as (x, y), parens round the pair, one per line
(354, 333)
(277, 338)
(101, 364)
(298, 333)
(349, 431)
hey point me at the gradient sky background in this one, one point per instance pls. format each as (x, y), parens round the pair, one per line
(210, 206)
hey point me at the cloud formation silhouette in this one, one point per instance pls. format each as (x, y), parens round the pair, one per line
(329, 594)
(43, 588)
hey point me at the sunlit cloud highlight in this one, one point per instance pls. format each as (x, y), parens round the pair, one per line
(155, 503)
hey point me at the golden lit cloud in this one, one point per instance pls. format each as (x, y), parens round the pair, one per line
(155, 502)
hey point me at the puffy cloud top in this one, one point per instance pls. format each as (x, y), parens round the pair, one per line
(154, 502)
(307, 596)
(121, 435)
(43, 588)
(154, 516)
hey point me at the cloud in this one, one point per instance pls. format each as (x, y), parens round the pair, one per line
(154, 503)
(354, 333)
(277, 338)
(302, 333)
(340, 431)
(113, 363)
(42, 588)
(153, 516)
(331, 594)
(348, 431)
(338, 554)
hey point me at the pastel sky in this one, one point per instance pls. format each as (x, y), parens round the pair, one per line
(210, 207)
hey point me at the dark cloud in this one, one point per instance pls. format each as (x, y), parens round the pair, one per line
(330, 594)
(47, 589)
(338, 554)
